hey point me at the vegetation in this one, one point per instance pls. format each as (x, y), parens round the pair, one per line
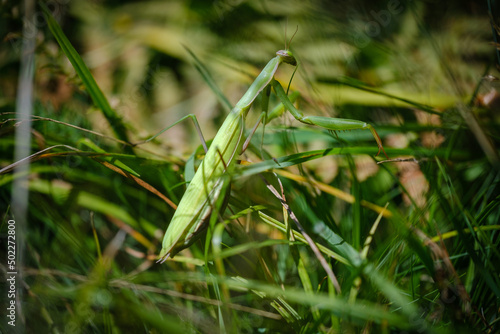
(319, 234)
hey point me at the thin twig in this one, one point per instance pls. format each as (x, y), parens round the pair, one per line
(311, 243)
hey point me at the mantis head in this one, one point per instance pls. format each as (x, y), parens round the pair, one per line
(287, 57)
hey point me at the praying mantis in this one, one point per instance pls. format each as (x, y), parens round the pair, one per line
(212, 176)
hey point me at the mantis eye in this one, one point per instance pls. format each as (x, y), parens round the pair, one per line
(287, 57)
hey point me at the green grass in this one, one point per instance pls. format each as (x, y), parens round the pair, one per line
(99, 204)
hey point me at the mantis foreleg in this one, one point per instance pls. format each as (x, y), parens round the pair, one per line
(334, 124)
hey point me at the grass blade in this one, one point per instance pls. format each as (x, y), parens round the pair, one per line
(88, 80)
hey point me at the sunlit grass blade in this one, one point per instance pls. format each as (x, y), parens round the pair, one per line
(114, 120)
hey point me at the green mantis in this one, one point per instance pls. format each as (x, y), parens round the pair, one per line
(211, 178)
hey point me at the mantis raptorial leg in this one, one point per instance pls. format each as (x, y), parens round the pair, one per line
(213, 174)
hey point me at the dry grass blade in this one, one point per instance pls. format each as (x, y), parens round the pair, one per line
(139, 181)
(335, 192)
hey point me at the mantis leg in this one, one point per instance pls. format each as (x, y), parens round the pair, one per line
(262, 118)
(280, 108)
(266, 116)
(335, 124)
(196, 125)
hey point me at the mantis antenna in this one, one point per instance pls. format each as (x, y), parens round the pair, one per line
(287, 48)
(290, 42)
